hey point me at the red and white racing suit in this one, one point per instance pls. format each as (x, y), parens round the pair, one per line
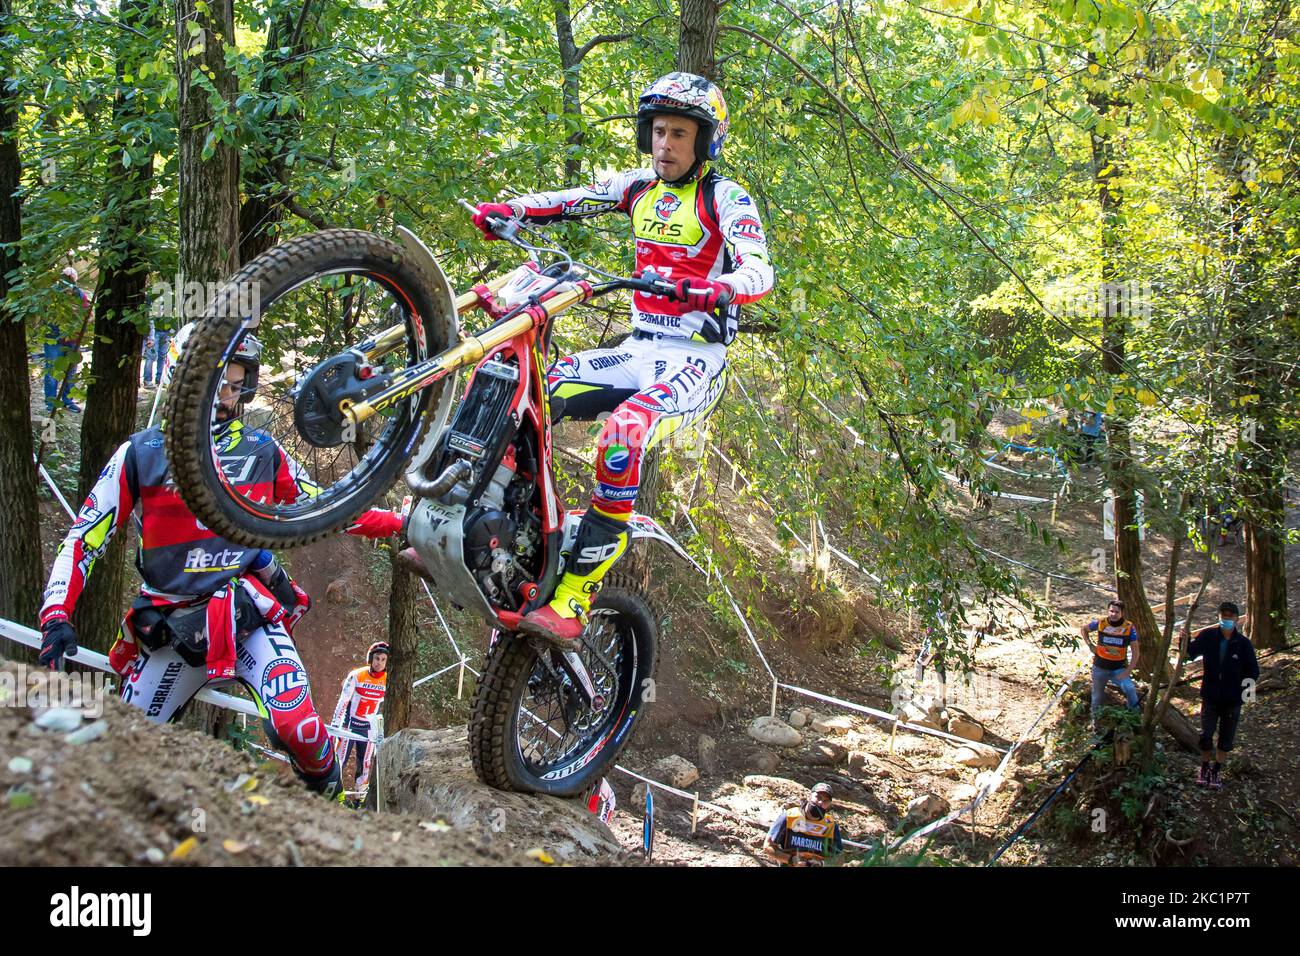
(361, 697)
(185, 566)
(672, 371)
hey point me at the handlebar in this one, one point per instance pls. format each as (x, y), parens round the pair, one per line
(648, 282)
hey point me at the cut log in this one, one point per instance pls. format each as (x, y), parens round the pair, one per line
(1181, 729)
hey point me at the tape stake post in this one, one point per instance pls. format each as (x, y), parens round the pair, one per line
(374, 770)
(460, 680)
(775, 685)
(695, 812)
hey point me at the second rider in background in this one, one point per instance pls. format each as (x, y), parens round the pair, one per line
(694, 228)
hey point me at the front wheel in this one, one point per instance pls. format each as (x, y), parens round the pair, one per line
(531, 729)
(319, 306)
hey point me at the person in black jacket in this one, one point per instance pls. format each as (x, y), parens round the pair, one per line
(1231, 671)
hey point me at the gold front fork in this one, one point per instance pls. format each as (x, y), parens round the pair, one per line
(467, 352)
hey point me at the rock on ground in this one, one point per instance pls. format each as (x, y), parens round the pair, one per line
(925, 809)
(827, 753)
(675, 771)
(969, 729)
(763, 761)
(975, 757)
(836, 724)
(427, 773)
(776, 733)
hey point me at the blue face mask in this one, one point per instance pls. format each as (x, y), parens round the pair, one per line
(1228, 625)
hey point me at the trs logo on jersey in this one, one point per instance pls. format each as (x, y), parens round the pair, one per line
(666, 205)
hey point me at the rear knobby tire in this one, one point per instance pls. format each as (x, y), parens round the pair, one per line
(278, 271)
(494, 723)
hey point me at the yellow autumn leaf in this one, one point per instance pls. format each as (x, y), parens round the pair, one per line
(1214, 78)
(1272, 175)
(258, 800)
(540, 855)
(1147, 398)
(233, 846)
(964, 112)
(1151, 209)
(184, 848)
(1039, 83)
(1094, 69)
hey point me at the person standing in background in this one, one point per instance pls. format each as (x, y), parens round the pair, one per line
(63, 333)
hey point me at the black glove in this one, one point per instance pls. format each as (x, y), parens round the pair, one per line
(59, 641)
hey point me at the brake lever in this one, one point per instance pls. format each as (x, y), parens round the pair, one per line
(502, 228)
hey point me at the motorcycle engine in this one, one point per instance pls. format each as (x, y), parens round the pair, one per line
(502, 535)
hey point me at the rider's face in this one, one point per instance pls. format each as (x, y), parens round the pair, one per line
(228, 396)
(379, 663)
(673, 145)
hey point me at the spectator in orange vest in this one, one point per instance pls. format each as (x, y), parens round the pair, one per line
(806, 835)
(1110, 660)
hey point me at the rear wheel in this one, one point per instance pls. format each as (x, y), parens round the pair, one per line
(531, 729)
(310, 302)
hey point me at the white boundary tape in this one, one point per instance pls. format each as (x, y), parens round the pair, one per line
(743, 623)
(57, 493)
(1048, 574)
(889, 718)
(32, 638)
(1033, 499)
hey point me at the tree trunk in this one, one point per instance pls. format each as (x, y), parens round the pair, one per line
(403, 641)
(571, 64)
(209, 185)
(266, 172)
(120, 304)
(1266, 597)
(1120, 469)
(20, 526)
(697, 38)
(1260, 449)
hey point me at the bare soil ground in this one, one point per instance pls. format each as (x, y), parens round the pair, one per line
(142, 790)
(835, 641)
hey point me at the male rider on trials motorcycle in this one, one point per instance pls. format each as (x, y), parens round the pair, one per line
(208, 608)
(695, 228)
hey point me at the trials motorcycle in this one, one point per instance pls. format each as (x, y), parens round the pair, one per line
(361, 344)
